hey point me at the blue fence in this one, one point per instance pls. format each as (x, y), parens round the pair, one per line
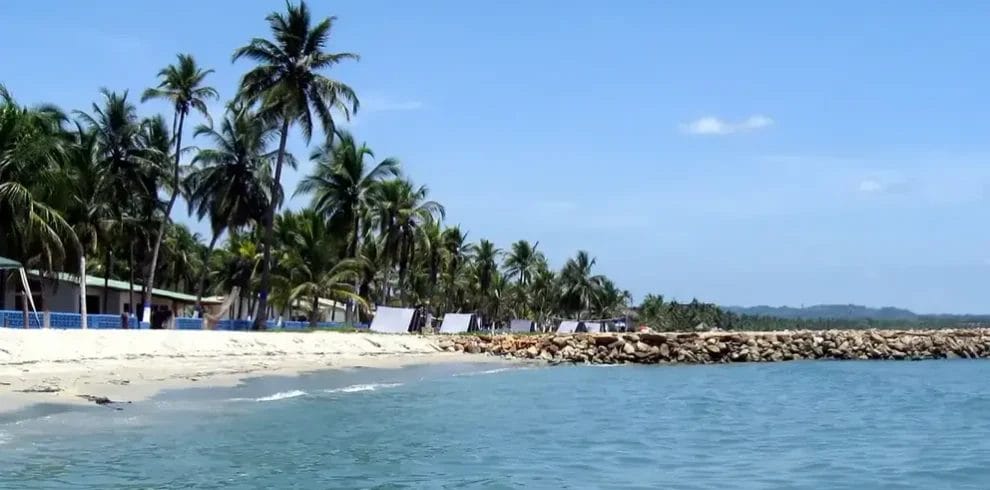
(15, 319)
(188, 323)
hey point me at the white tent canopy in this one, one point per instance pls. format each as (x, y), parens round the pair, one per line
(521, 326)
(459, 323)
(570, 326)
(591, 327)
(392, 320)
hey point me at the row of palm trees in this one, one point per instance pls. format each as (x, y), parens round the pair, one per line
(103, 184)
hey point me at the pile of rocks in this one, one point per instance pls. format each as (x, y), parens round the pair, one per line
(723, 347)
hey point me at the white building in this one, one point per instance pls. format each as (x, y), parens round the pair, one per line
(241, 309)
(61, 294)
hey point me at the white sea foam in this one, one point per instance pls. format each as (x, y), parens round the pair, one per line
(490, 371)
(365, 387)
(282, 395)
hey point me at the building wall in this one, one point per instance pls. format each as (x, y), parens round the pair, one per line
(65, 298)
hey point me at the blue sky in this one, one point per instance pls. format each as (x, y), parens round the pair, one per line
(740, 152)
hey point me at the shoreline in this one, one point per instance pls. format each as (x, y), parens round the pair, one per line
(64, 366)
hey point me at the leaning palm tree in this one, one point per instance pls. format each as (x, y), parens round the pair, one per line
(288, 86)
(181, 85)
(231, 182)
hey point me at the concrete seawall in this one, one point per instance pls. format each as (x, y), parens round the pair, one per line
(725, 347)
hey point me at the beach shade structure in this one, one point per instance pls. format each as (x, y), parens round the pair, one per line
(11, 264)
(459, 323)
(571, 326)
(591, 327)
(393, 320)
(520, 326)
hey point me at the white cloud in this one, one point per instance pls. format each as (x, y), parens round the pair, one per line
(711, 125)
(870, 186)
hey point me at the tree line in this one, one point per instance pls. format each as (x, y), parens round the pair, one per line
(94, 191)
(667, 315)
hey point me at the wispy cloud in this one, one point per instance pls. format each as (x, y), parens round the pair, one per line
(711, 125)
(870, 186)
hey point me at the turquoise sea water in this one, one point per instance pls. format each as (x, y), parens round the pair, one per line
(788, 425)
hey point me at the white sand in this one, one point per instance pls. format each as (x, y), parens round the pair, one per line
(128, 365)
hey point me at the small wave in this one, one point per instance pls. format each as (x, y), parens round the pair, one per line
(490, 371)
(367, 387)
(282, 395)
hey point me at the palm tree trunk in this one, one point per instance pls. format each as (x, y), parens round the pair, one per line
(83, 313)
(316, 309)
(150, 284)
(350, 312)
(385, 278)
(202, 274)
(266, 265)
(107, 272)
(130, 286)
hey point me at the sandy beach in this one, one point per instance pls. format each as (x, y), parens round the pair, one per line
(61, 366)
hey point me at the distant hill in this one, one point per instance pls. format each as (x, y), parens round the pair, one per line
(835, 312)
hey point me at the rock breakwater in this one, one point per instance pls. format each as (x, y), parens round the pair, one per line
(725, 347)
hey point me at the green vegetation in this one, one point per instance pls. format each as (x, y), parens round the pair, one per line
(94, 192)
(672, 316)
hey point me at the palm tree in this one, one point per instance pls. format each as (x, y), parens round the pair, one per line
(611, 301)
(341, 184)
(401, 210)
(89, 210)
(33, 146)
(288, 86)
(231, 183)
(182, 85)
(312, 265)
(523, 261)
(580, 288)
(130, 181)
(486, 259)
(457, 252)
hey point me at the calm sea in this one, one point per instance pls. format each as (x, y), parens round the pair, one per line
(792, 425)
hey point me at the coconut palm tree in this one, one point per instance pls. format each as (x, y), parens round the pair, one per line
(88, 209)
(126, 153)
(289, 86)
(401, 210)
(33, 146)
(312, 262)
(486, 260)
(181, 85)
(457, 252)
(342, 182)
(580, 288)
(231, 182)
(522, 262)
